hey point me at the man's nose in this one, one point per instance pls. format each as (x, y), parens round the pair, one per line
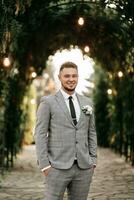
(71, 78)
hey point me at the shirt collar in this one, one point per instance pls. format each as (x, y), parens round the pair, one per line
(65, 95)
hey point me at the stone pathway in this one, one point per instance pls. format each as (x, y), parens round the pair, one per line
(113, 178)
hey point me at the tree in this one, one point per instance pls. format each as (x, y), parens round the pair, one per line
(32, 30)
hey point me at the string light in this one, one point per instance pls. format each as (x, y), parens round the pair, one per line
(81, 21)
(33, 74)
(6, 62)
(86, 49)
(109, 91)
(120, 74)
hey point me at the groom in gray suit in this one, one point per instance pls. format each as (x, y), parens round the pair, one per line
(65, 139)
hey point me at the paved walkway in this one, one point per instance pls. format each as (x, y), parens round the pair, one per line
(113, 179)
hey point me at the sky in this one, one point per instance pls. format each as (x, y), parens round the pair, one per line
(84, 63)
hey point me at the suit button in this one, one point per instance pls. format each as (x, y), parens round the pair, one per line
(76, 142)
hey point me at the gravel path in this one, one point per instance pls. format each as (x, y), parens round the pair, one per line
(113, 178)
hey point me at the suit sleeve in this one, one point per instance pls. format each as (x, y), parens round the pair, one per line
(41, 133)
(92, 140)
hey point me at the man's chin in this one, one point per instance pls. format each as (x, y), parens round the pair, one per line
(70, 89)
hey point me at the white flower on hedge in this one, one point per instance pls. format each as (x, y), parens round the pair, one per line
(88, 110)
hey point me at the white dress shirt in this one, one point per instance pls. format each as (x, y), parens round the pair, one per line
(75, 102)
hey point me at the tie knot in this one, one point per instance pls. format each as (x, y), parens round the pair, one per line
(70, 98)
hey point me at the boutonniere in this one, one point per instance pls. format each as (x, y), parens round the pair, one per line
(88, 110)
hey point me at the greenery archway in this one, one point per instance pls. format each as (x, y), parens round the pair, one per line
(38, 28)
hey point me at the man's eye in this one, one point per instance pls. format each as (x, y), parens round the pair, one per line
(73, 76)
(67, 76)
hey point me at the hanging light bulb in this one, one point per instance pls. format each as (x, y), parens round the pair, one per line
(81, 21)
(86, 49)
(120, 74)
(6, 62)
(33, 74)
(109, 91)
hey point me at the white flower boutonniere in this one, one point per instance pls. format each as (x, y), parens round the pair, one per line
(88, 110)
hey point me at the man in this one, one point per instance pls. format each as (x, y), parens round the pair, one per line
(65, 139)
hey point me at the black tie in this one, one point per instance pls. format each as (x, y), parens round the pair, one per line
(72, 110)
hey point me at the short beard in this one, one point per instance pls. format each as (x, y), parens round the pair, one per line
(69, 90)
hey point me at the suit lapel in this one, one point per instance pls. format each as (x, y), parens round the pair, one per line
(81, 103)
(63, 106)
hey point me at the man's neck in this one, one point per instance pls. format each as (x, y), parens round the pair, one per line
(68, 92)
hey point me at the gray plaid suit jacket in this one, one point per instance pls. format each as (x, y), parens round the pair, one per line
(58, 141)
